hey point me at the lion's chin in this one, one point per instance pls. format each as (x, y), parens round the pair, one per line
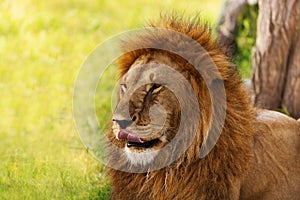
(138, 156)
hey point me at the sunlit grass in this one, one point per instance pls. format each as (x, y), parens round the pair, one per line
(42, 46)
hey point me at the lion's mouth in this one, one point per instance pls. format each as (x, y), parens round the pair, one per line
(134, 141)
(147, 144)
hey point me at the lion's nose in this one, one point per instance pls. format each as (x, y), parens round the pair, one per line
(123, 123)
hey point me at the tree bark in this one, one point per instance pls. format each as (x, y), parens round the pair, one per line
(276, 61)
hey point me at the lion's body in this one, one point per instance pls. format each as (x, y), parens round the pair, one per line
(274, 173)
(255, 156)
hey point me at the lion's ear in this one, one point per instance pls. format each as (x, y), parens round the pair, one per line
(216, 82)
(208, 70)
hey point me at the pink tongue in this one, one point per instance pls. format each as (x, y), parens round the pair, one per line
(122, 134)
(130, 137)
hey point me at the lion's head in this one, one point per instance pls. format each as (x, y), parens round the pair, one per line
(148, 113)
(156, 103)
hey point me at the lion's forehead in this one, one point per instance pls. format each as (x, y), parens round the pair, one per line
(141, 71)
(153, 72)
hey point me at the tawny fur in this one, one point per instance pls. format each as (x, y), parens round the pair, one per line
(236, 166)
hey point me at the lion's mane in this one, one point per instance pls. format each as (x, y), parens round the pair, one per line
(216, 175)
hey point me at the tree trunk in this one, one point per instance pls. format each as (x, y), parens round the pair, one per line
(227, 24)
(276, 61)
(228, 21)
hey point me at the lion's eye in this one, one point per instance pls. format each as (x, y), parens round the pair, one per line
(123, 88)
(155, 88)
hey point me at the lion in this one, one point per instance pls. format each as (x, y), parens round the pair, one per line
(256, 155)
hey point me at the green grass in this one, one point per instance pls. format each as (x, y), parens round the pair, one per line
(42, 46)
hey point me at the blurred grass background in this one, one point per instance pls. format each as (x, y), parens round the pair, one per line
(245, 39)
(42, 46)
